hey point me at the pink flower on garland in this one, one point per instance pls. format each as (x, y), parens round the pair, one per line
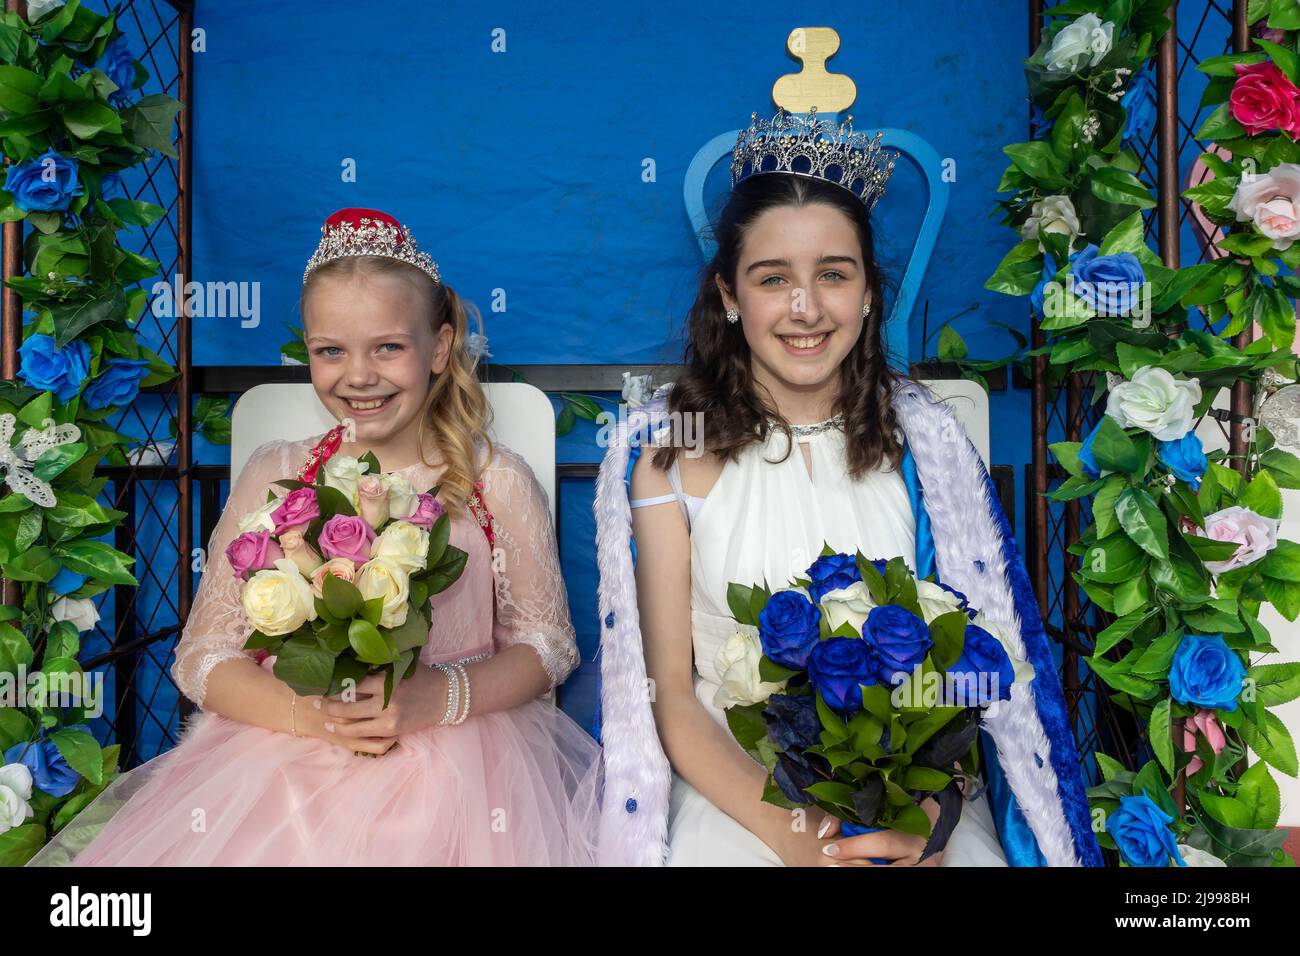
(1264, 100)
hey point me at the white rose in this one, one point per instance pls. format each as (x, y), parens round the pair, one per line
(1052, 214)
(38, 8)
(80, 611)
(1086, 39)
(1156, 402)
(15, 792)
(403, 500)
(1023, 670)
(934, 600)
(1194, 857)
(1255, 534)
(737, 665)
(636, 389)
(385, 578)
(404, 543)
(1272, 201)
(344, 473)
(260, 520)
(278, 601)
(847, 605)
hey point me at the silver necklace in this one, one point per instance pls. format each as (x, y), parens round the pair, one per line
(816, 428)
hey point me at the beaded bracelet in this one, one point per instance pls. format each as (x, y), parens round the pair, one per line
(453, 692)
(464, 678)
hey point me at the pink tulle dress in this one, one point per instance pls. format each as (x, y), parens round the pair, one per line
(515, 787)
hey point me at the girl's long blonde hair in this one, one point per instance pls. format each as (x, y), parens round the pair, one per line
(456, 409)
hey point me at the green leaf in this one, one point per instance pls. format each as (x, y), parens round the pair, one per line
(341, 597)
(1272, 310)
(1282, 563)
(20, 844)
(88, 119)
(368, 643)
(305, 666)
(1276, 683)
(1283, 465)
(1259, 793)
(439, 535)
(738, 601)
(135, 212)
(1220, 125)
(1143, 521)
(150, 121)
(1103, 506)
(1120, 630)
(1120, 187)
(18, 90)
(96, 559)
(1019, 271)
(1262, 496)
(1159, 734)
(81, 751)
(1272, 743)
(1114, 450)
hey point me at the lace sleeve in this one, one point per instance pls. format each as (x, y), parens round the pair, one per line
(216, 628)
(531, 604)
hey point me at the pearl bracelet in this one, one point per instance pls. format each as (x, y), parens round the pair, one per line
(464, 677)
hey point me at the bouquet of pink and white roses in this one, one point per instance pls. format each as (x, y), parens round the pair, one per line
(338, 575)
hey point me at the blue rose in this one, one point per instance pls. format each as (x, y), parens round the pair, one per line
(1206, 672)
(1141, 833)
(831, 572)
(118, 63)
(792, 722)
(118, 384)
(1087, 459)
(1139, 100)
(838, 666)
(982, 655)
(47, 183)
(1107, 283)
(900, 638)
(65, 582)
(51, 369)
(793, 773)
(50, 771)
(1185, 458)
(787, 628)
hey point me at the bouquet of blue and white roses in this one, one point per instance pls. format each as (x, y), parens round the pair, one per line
(860, 688)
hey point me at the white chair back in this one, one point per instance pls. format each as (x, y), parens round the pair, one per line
(523, 420)
(971, 404)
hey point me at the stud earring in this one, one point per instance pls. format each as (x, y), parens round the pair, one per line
(866, 309)
(733, 316)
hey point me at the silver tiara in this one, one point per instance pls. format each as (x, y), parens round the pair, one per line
(369, 237)
(803, 145)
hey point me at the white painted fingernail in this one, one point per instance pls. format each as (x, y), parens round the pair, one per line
(821, 830)
(316, 703)
(329, 727)
(831, 849)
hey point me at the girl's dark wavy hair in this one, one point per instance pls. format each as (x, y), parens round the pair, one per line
(718, 382)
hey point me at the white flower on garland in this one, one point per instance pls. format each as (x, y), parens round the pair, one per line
(1052, 214)
(1271, 201)
(1255, 534)
(80, 611)
(476, 344)
(636, 389)
(1156, 402)
(1194, 857)
(38, 8)
(15, 792)
(1087, 39)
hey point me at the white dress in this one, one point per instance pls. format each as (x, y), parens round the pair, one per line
(767, 520)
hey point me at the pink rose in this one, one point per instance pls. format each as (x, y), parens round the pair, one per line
(252, 551)
(298, 508)
(347, 536)
(427, 512)
(373, 491)
(1204, 721)
(339, 567)
(300, 552)
(1272, 201)
(1256, 534)
(1263, 99)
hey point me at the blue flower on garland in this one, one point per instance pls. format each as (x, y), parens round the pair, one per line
(118, 384)
(1185, 458)
(47, 183)
(118, 64)
(51, 369)
(1139, 101)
